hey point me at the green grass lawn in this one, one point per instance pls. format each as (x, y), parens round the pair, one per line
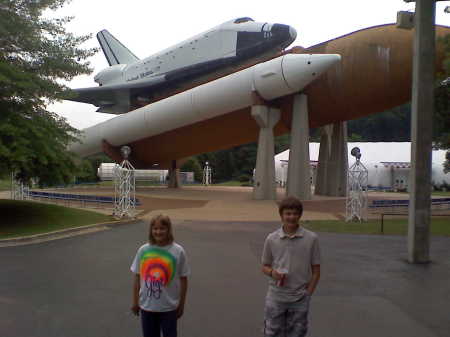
(441, 193)
(20, 218)
(232, 183)
(439, 226)
(5, 185)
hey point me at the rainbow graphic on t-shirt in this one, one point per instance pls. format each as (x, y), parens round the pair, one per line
(157, 266)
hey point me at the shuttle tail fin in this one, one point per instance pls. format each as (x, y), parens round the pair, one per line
(115, 52)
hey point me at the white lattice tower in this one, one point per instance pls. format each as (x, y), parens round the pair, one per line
(125, 187)
(207, 174)
(357, 180)
(19, 191)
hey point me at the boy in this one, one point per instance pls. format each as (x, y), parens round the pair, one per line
(291, 258)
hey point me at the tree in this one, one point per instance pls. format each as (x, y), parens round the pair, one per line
(36, 53)
(441, 122)
(447, 162)
(192, 165)
(238, 162)
(85, 172)
(393, 125)
(95, 161)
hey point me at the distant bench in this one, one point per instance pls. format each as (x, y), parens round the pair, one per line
(81, 198)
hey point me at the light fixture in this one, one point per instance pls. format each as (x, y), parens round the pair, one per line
(356, 152)
(125, 151)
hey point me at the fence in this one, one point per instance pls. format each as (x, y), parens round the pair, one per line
(439, 207)
(82, 199)
(442, 203)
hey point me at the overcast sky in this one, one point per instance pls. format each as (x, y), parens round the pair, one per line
(146, 27)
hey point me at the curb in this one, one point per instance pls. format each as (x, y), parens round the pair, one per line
(63, 233)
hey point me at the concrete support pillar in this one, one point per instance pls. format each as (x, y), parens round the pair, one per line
(264, 186)
(299, 171)
(320, 188)
(338, 163)
(422, 103)
(174, 176)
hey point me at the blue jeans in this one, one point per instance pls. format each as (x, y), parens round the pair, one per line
(155, 322)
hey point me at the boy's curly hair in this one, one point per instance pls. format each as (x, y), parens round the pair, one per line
(290, 203)
(165, 221)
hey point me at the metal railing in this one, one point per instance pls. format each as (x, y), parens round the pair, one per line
(83, 199)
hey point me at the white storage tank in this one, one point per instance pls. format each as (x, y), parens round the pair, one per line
(106, 172)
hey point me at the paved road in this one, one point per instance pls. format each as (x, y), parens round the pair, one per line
(80, 286)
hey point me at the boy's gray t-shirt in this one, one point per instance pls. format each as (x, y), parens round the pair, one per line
(160, 269)
(294, 256)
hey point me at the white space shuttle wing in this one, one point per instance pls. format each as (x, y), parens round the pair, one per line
(115, 98)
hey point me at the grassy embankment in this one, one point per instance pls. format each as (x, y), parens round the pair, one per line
(5, 185)
(20, 218)
(441, 193)
(439, 226)
(232, 183)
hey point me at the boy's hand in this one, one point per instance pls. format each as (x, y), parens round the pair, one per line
(135, 309)
(180, 311)
(276, 275)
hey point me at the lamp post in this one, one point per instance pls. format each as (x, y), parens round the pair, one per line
(357, 181)
(124, 186)
(207, 174)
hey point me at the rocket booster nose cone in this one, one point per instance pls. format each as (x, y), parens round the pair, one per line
(301, 69)
(290, 73)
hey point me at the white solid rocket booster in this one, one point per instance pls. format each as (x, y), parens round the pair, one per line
(278, 77)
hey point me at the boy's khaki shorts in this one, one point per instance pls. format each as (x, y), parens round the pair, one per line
(286, 319)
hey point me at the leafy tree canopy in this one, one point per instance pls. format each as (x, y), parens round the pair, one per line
(441, 122)
(36, 53)
(192, 165)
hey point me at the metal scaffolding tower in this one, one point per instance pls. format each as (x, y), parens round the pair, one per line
(124, 186)
(357, 180)
(207, 174)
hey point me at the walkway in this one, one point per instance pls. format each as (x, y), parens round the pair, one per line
(81, 286)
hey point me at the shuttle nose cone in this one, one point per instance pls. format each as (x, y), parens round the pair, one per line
(301, 69)
(283, 34)
(281, 31)
(293, 33)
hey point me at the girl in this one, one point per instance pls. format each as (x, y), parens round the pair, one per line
(160, 281)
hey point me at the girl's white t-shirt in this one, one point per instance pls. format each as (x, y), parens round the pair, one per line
(160, 269)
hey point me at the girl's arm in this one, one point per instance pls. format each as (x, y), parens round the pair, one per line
(136, 288)
(183, 292)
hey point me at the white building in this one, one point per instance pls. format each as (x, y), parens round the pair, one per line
(388, 164)
(106, 172)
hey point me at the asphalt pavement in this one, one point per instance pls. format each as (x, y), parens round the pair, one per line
(81, 286)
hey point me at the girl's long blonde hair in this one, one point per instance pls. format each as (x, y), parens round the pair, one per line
(165, 221)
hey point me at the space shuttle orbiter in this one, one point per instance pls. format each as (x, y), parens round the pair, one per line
(130, 83)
